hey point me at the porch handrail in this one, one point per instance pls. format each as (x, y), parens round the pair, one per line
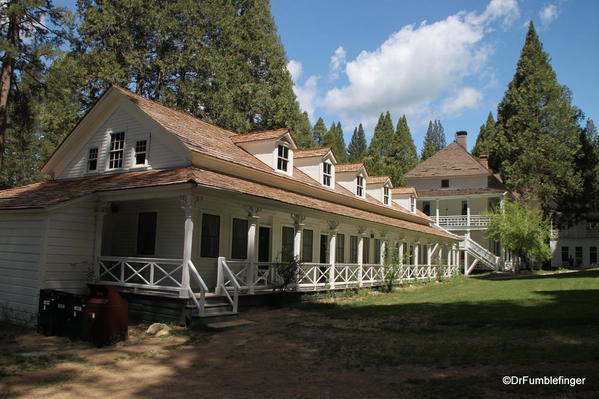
(463, 220)
(201, 303)
(146, 273)
(225, 272)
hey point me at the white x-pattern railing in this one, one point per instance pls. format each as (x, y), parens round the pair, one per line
(149, 273)
(464, 221)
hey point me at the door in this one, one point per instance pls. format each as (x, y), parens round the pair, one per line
(264, 244)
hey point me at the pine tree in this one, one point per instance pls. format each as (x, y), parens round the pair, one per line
(428, 149)
(334, 139)
(303, 137)
(439, 136)
(403, 148)
(485, 136)
(318, 132)
(537, 136)
(357, 149)
(383, 135)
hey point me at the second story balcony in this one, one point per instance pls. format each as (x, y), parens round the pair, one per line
(463, 222)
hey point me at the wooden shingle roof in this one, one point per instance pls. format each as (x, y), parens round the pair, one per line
(453, 160)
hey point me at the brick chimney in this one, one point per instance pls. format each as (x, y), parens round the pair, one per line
(484, 159)
(460, 137)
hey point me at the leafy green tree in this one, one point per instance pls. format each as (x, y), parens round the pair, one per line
(537, 133)
(318, 132)
(31, 31)
(434, 140)
(357, 149)
(383, 135)
(486, 135)
(334, 139)
(522, 230)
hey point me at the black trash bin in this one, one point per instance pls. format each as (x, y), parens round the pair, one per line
(61, 313)
(77, 323)
(46, 318)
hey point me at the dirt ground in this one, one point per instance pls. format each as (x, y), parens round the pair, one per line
(251, 361)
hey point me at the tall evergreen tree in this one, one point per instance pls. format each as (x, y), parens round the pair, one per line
(537, 136)
(486, 135)
(303, 137)
(383, 135)
(357, 149)
(439, 136)
(220, 61)
(334, 139)
(30, 33)
(318, 132)
(428, 149)
(403, 150)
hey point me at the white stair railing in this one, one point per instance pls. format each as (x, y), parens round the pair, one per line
(201, 302)
(480, 253)
(226, 279)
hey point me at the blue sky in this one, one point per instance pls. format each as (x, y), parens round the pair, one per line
(447, 60)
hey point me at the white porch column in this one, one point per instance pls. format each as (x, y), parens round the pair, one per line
(383, 251)
(332, 251)
(189, 205)
(297, 239)
(468, 211)
(466, 263)
(361, 233)
(437, 211)
(101, 210)
(416, 251)
(400, 251)
(449, 250)
(252, 256)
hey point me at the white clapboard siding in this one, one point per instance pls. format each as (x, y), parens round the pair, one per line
(161, 154)
(21, 241)
(70, 247)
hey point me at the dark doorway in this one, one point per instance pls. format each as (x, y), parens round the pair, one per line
(324, 248)
(264, 244)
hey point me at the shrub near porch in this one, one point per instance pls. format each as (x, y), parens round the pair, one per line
(486, 326)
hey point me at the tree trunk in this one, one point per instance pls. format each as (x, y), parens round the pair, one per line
(8, 64)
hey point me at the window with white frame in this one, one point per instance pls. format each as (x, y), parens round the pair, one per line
(386, 195)
(141, 151)
(283, 158)
(360, 186)
(412, 204)
(92, 159)
(117, 146)
(327, 174)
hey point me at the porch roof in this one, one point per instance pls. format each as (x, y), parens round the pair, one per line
(459, 192)
(45, 194)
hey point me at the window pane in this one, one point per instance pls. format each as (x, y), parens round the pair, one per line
(92, 159)
(146, 233)
(565, 254)
(366, 251)
(593, 255)
(210, 236)
(340, 250)
(353, 249)
(377, 251)
(287, 244)
(307, 245)
(140, 152)
(239, 239)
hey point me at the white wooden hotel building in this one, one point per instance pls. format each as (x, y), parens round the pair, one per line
(159, 202)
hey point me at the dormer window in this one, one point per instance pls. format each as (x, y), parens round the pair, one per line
(117, 146)
(360, 186)
(92, 159)
(283, 158)
(141, 151)
(413, 204)
(386, 195)
(327, 174)
(444, 183)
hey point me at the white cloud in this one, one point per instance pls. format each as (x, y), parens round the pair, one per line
(419, 65)
(466, 97)
(295, 69)
(337, 62)
(306, 93)
(548, 14)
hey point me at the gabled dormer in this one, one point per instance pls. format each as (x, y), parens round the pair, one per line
(318, 163)
(405, 197)
(353, 176)
(380, 187)
(273, 147)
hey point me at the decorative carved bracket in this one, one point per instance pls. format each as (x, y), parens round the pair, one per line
(298, 219)
(252, 211)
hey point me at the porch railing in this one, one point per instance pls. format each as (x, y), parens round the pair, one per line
(147, 273)
(464, 221)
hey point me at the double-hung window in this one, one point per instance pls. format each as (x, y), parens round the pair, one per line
(92, 159)
(283, 158)
(210, 236)
(386, 195)
(117, 147)
(239, 239)
(353, 249)
(141, 151)
(340, 248)
(360, 186)
(412, 204)
(327, 174)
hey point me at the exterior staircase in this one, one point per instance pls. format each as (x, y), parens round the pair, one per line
(482, 258)
(217, 311)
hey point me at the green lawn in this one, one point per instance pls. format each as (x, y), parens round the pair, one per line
(537, 325)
